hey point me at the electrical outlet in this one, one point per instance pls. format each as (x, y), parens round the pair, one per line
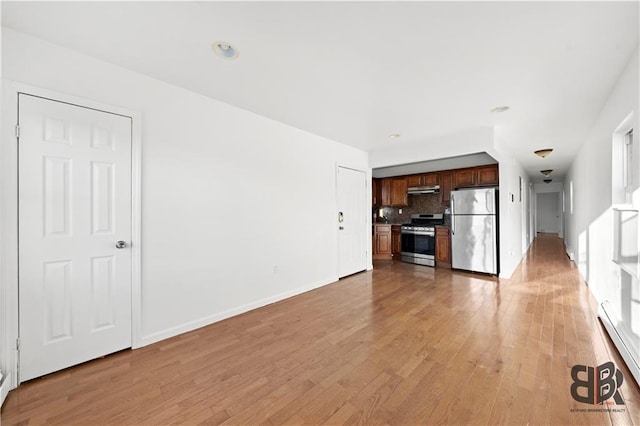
(399, 211)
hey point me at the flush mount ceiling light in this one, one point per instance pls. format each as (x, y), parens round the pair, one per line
(225, 50)
(394, 135)
(543, 152)
(501, 108)
(546, 172)
(547, 180)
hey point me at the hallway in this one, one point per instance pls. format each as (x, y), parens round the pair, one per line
(402, 344)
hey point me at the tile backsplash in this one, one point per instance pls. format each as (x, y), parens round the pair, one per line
(418, 203)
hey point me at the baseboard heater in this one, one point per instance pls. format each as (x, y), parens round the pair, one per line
(4, 388)
(627, 354)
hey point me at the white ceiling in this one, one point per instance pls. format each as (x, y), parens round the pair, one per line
(356, 72)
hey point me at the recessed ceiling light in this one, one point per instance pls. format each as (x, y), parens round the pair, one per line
(543, 152)
(225, 50)
(546, 172)
(501, 108)
(394, 135)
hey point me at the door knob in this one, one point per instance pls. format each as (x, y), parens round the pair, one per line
(121, 244)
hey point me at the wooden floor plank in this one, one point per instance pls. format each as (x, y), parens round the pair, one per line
(402, 344)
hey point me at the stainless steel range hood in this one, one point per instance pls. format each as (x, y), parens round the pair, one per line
(432, 189)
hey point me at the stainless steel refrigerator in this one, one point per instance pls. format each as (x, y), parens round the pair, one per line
(474, 230)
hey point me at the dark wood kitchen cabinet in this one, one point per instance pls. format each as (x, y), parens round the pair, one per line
(425, 179)
(382, 241)
(487, 175)
(375, 192)
(476, 176)
(464, 178)
(443, 247)
(446, 185)
(393, 192)
(399, 196)
(396, 245)
(384, 188)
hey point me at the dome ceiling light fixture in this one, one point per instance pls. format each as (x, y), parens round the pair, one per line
(225, 50)
(500, 109)
(547, 180)
(546, 172)
(394, 135)
(543, 152)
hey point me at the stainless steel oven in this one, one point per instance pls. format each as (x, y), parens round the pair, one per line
(418, 239)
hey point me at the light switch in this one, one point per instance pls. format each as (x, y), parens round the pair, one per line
(399, 211)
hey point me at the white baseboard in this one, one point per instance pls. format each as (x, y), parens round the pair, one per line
(571, 255)
(4, 388)
(210, 319)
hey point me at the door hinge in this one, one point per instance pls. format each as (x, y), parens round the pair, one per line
(17, 131)
(18, 344)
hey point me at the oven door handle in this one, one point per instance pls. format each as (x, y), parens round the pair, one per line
(427, 233)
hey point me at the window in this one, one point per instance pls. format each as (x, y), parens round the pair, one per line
(627, 165)
(624, 160)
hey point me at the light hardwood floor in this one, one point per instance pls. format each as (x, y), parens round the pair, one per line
(402, 344)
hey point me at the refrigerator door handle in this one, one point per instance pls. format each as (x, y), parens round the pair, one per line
(453, 215)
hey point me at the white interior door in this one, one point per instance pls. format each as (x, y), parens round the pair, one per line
(352, 224)
(548, 215)
(74, 206)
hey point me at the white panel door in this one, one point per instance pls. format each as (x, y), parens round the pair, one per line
(352, 224)
(74, 206)
(547, 212)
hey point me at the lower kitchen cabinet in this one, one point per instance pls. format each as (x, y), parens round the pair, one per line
(396, 246)
(443, 247)
(382, 241)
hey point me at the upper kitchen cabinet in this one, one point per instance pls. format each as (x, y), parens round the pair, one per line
(394, 192)
(464, 178)
(384, 187)
(487, 175)
(446, 185)
(476, 176)
(399, 195)
(425, 179)
(375, 192)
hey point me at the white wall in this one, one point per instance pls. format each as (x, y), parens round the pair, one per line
(513, 244)
(228, 197)
(588, 213)
(589, 221)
